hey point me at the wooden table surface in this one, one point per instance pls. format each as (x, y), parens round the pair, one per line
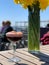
(26, 57)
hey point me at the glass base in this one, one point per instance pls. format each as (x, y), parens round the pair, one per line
(34, 52)
(16, 59)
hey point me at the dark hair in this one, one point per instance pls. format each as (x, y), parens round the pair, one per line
(8, 22)
(47, 25)
(3, 23)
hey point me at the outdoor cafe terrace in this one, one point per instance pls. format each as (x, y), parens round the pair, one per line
(26, 58)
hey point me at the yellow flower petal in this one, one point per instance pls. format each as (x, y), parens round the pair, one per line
(16, 1)
(43, 3)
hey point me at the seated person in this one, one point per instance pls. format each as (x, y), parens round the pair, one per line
(7, 28)
(45, 38)
(3, 26)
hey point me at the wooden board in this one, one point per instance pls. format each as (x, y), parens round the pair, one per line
(25, 57)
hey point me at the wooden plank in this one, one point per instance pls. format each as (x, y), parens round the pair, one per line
(44, 49)
(41, 56)
(25, 52)
(28, 58)
(22, 62)
(4, 61)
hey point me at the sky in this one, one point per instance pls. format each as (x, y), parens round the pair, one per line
(13, 12)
